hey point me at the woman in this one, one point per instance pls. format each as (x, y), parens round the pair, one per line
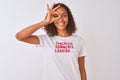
(64, 52)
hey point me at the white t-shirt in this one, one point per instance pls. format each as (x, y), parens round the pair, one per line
(61, 57)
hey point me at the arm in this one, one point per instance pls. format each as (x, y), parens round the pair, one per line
(25, 35)
(81, 61)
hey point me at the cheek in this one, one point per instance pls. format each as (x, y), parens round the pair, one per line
(55, 22)
(66, 19)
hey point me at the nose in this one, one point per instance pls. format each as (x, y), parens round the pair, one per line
(61, 18)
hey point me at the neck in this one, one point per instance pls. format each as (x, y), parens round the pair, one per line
(63, 33)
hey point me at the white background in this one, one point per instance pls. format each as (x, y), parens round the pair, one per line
(98, 22)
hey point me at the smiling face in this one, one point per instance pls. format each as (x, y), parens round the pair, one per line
(62, 22)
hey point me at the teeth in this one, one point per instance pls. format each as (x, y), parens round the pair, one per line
(61, 23)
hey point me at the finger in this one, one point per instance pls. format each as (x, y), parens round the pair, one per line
(56, 8)
(56, 15)
(52, 6)
(59, 16)
(47, 6)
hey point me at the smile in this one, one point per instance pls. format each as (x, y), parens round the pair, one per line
(61, 23)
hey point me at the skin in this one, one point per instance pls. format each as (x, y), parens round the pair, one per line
(81, 61)
(60, 21)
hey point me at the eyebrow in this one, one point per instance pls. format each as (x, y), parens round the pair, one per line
(64, 13)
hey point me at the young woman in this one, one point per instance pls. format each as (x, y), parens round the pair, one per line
(64, 52)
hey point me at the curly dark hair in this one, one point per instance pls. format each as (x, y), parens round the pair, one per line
(71, 27)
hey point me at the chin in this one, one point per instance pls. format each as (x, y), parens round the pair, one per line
(61, 28)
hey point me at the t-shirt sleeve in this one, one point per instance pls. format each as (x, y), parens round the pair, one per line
(41, 40)
(82, 51)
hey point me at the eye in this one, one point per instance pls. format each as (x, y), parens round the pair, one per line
(55, 15)
(65, 15)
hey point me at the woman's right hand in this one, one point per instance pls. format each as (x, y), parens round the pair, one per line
(52, 14)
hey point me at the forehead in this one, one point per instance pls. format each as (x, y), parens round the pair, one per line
(62, 10)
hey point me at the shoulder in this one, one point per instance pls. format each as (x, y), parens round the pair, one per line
(78, 37)
(79, 40)
(43, 39)
(43, 36)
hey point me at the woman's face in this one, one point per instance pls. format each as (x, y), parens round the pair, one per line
(62, 22)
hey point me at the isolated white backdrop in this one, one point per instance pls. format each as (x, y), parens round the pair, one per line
(98, 22)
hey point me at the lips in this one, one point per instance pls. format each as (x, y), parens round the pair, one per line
(61, 23)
